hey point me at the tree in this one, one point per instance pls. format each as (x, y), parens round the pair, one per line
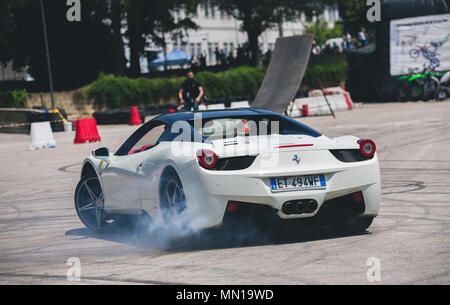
(7, 23)
(260, 15)
(256, 17)
(154, 19)
(7, 27)
(289, 10)
(117, 15)
(322, 32)
(78, 50)
(353, 14)
(167, 24)
(352, 10)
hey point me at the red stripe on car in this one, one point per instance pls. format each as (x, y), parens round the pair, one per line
(294, 145)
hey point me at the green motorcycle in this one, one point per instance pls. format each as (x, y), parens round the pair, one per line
(410, 88)
(431, 84)
(416, 86)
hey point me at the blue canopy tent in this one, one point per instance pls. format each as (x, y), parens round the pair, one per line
(176, 57)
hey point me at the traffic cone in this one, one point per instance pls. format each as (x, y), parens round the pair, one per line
(41, 136)
(86, 130)
(305, 109)
(135, 119)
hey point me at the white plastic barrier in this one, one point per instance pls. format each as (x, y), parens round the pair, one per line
(336, 90)
(333, 91)
(68, 126)
(316, 92)
(330, 91)
(317, 105)
(202, 107)
(41, 136)
(241, 104)
(216, 106)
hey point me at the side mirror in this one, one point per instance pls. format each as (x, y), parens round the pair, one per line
(101, 153)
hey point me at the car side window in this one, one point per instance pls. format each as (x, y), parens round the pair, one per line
(148, 140)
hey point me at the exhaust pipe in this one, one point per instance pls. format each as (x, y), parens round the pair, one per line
(305, 206)
(289, 208)
(301, 207)
(311, 206)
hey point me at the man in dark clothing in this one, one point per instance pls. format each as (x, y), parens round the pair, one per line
(203, 60)
(217, 54)
(190, 93)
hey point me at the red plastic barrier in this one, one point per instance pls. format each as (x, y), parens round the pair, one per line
(86, 130)
(305, 109)
(135, 119)
(348, 100)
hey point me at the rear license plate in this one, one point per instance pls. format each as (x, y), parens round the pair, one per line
(298, 183)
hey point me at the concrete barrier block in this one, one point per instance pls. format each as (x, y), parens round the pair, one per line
(216, 106)
(241, 104)
(317, 105)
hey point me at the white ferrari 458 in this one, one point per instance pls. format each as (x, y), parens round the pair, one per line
(211, 168)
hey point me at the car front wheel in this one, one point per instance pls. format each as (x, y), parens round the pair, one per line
(89, 204)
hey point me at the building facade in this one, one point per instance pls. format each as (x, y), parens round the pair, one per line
(220, 31)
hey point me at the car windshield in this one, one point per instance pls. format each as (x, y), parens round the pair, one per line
(229, 127)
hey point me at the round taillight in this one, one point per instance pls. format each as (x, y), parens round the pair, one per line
(206, 158)
(367, 147)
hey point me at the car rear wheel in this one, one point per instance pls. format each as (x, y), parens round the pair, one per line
(89, 204)
(173, 199)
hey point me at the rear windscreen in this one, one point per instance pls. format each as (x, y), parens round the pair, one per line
(228, 127)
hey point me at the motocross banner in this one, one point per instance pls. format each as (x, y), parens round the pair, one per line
(420, 41)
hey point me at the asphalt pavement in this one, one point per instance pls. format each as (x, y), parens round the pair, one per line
(409, 240)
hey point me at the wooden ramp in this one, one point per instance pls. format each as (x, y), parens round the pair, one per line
(285, 73)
